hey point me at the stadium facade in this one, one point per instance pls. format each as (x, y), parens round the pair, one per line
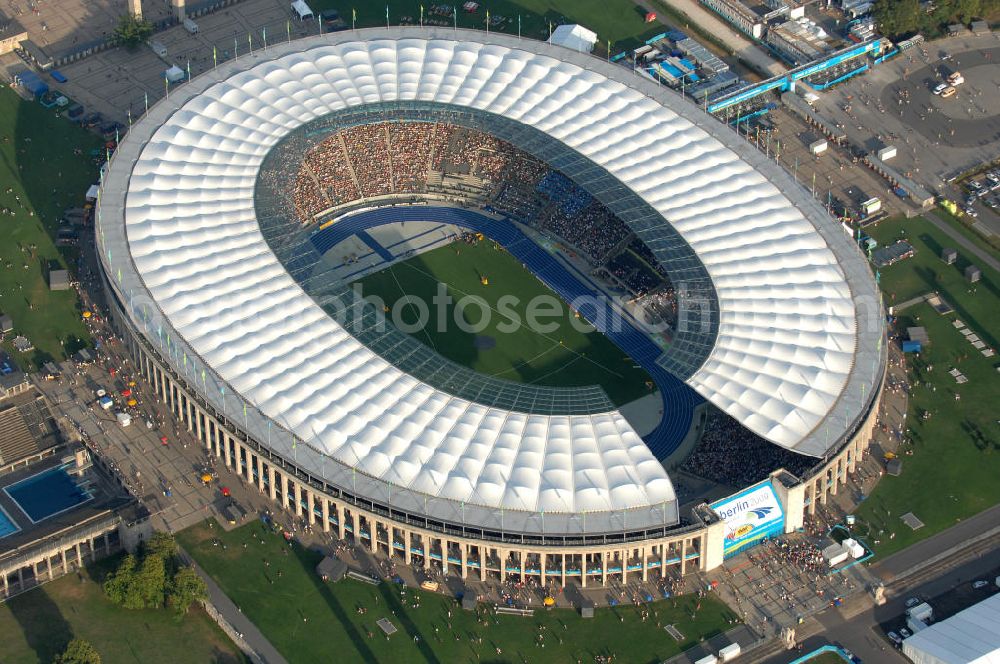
(788, 340)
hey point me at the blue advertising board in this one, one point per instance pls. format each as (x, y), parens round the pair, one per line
(750, 516)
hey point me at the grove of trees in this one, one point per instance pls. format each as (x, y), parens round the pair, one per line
(902, 18)
(155, 578)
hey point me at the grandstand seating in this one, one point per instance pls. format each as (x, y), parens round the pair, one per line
(17, 441)
(419, 157)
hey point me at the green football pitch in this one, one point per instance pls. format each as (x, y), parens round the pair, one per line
(559, 352)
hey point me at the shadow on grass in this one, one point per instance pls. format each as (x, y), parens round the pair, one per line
(930, 278)
(45, 629)
(221, 657)
(308, 561)
(399, 611)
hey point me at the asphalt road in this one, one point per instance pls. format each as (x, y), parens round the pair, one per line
(958, 535)
(863, 633)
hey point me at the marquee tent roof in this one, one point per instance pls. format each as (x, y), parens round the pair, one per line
(575, 37)
(785, 360)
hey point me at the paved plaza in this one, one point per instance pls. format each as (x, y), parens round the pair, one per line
(936, 138)
(118, 81)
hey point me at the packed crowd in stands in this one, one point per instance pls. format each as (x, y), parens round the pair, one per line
(730, 454)
(392, 158)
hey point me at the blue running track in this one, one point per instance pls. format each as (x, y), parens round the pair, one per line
(679, 400)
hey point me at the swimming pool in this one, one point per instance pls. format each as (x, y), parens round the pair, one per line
(46, 494)
(7, 525)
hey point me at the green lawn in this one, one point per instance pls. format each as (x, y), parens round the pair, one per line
(38, 624)
(565, 356)
(38, 165)
(310, 621)
(964, 226)
(953, 471)
(620, 21)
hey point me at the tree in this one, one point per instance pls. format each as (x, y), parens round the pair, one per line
(132, 31)
(186, 589)
(162, 545)
(149, 585)
(78, 651)
(897, 17)
(119, 583)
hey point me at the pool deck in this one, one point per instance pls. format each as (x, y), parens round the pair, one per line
(30, 532)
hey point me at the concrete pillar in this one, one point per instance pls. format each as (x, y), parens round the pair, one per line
(583, 569)
(624, 555)
(604, 567)
(227, 444)
(645, 565)
(272, 482)
(524, 557)
(179, 11)
(463, 557)
(324, 506)
(311, 505)
(563, 578)
(683, 556)
(220, 435)
(79, 556)
(197, 424)
(356, 524)
(406, 546)
(541, 568)
(260, 473)
(297, 495)
(502, 555)
(62, 554)
(444, 556)
(135, 8)
(427, 551)
(48, 566)
(341, 520)
(484, 555)
(237, 458)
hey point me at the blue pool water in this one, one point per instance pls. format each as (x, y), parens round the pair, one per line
(7, 525)
(46, 494)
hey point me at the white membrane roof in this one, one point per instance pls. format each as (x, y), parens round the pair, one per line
(788, 333)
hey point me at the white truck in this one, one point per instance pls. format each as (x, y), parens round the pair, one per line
(124, 419)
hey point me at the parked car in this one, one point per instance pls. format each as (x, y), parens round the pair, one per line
(895, 638)
(905, 633)
(912, 602)
(980, 584)
(939, 88)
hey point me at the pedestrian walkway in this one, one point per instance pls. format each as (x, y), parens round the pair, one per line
(965, 242)
(244, 628)
(754, 55)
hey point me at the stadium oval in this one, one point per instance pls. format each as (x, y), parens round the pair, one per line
(794, 327)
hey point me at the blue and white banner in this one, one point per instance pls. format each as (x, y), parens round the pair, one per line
(750, 516)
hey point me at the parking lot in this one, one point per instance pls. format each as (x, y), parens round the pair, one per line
(935, 138)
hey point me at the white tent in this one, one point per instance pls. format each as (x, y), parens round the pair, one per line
(302, 10)
(174, 74)
(575, 37)
(92, 192)
(968, 637)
